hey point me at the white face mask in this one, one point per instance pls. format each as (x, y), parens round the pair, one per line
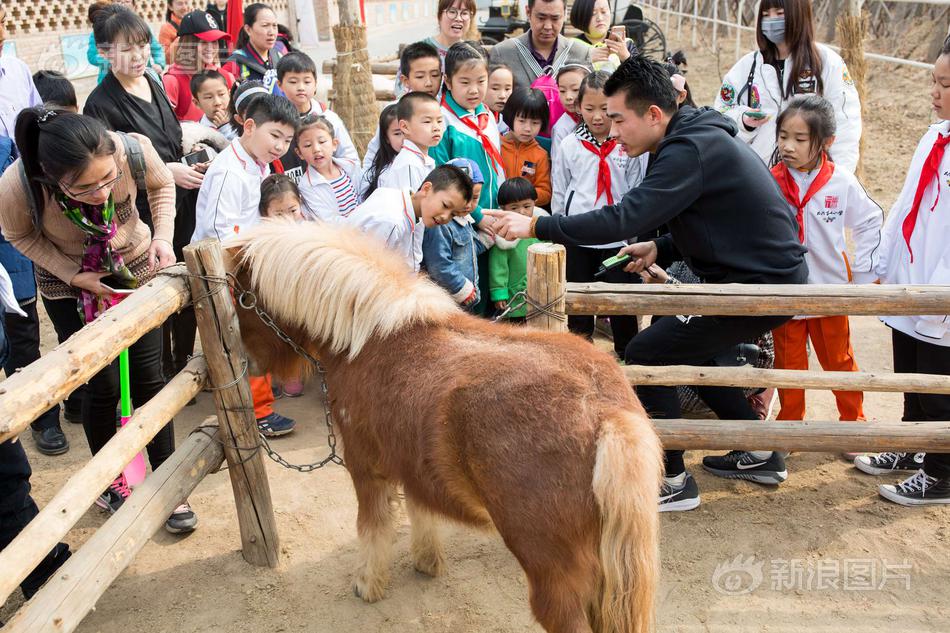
(774, 29)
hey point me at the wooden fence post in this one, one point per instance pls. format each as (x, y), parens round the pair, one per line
(852, 29)
(547, 281)
(228, 372)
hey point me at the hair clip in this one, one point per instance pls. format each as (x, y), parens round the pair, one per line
(46, 116)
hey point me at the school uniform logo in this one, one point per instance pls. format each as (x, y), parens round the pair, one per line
(527, 169)
(830, 212)
(846, 77)
(727, 94)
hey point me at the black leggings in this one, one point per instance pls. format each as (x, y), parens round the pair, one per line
(694, 340)
(102, 390)
(915, 356)
(582, 263)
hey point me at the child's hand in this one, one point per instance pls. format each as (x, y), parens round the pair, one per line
(219, 118)
(501, 305)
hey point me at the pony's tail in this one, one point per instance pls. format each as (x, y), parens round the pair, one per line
(626, 482)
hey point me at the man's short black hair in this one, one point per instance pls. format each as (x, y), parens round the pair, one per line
(407, 104)
(643, 83)
(414, 51)
(200, 77)
(55, 89)
(531, 3)
(450, 177)
(273, 108)
(296, 62)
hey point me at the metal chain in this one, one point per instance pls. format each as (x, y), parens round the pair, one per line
(520, 299)
(247, 300)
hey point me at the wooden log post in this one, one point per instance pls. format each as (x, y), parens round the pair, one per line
(852, 27)
(547, 279)
(355, 100)
(228, 372)
(26, 394)
(69, 505)
(72, 592)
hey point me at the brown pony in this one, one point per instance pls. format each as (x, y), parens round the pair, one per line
(536, 434)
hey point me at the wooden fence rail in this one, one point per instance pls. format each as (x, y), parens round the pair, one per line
(72, 501)
(46, 382)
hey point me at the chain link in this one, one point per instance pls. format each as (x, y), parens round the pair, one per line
(247, 300)
(521, 299)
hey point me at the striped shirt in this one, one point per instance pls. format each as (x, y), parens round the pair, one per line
(345, 193)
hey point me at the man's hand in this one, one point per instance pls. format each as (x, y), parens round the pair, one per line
(509, 224)
(642, 256)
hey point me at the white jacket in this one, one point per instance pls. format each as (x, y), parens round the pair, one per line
(319, 201)
(841, 204)
(388, 214)
(408, 169)
(930, 242)
(734, 99)
(561, 130)
(230, 195)
(574, 179)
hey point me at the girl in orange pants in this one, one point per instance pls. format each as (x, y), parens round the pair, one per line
(831, 340)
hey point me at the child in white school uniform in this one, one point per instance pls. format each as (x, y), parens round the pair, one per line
(569, 79)
(231, 190)
(916, 250)
(399, 217)
(420, 120)
(386, 151)
(330, 185)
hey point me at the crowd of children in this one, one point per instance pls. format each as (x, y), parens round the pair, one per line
(462, 138)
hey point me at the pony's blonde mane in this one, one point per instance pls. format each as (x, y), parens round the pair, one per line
(338, 285)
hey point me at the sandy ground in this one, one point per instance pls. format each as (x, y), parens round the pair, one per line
(820, 553)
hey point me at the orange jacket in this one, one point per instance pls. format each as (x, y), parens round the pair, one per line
(514, 155)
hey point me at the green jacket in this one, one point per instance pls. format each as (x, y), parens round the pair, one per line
(508, 272)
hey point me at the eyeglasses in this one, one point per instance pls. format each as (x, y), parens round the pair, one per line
(453, 13)
(94, 190)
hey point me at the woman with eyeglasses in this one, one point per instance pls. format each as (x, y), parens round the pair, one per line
(456, 23)
(68, 203)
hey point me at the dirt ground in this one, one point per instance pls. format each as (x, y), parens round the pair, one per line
(819, 553)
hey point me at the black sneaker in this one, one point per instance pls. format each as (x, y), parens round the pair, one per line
(115, 495)
(681, 499)
(886, 463)
(183, 519)
(920, 489)
(742, 465)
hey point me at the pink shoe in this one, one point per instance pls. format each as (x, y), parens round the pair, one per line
(293, 388)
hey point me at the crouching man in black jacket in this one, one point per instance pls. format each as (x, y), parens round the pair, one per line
(727, 220)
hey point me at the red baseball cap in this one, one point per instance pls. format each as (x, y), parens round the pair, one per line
(203, 26)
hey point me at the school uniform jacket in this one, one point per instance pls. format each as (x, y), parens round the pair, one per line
(319, 201)
(930, 241)
(460, 141)
(562, 129)
(408, 169)
(388, 215)
(737, 96)
(839, 205)
(230, 194)
(574, 180)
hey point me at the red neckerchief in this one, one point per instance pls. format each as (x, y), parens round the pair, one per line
(929, 171)
(790, 188)
(603, 169)
(479, 130)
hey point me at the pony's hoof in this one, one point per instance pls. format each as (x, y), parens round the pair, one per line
(369, 591)
(429, 563)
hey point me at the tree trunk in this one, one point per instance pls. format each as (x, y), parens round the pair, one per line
(853, 29)
(354, 96)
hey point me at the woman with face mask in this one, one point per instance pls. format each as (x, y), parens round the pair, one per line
(789, 62)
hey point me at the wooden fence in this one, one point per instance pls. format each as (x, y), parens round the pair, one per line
(75, 588)
(548, 288)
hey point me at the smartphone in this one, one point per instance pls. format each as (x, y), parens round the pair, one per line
(115, 285)
(756, 114)
(619, 33)
(201, 156)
